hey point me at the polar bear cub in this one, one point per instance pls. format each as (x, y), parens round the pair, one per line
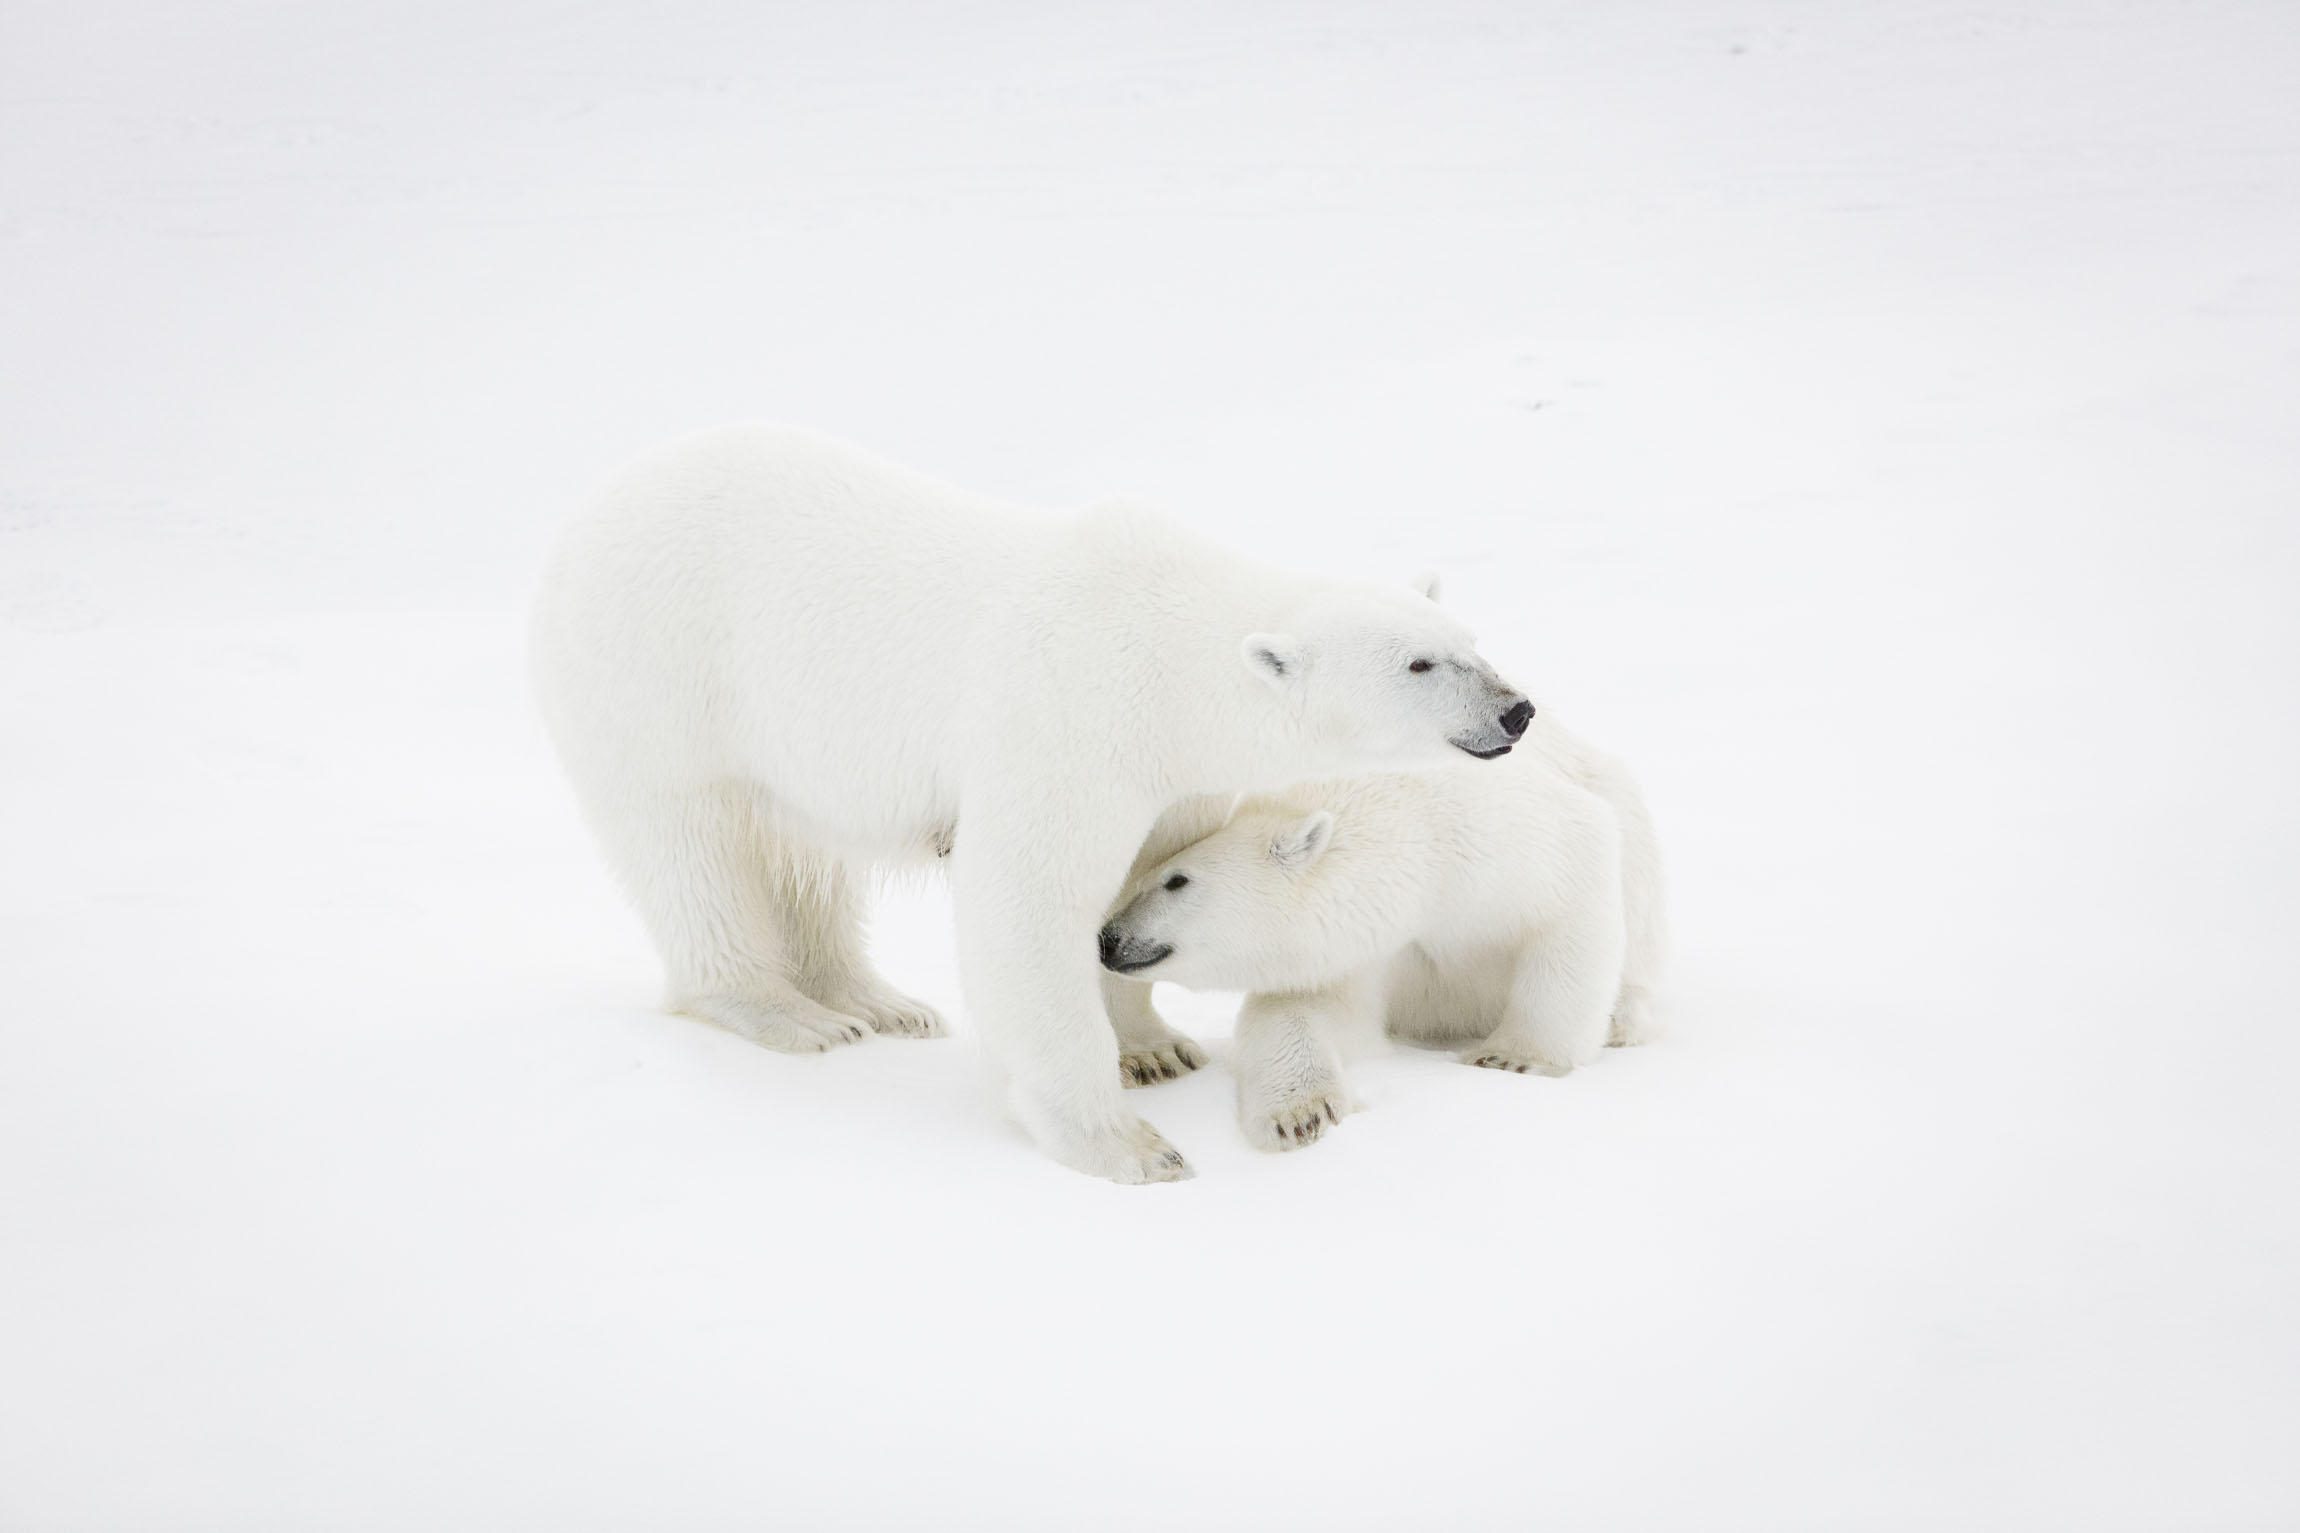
(1512, 910)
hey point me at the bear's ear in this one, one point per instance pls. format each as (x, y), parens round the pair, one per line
(1302, 843)
(1427, 583)
(1275, 657)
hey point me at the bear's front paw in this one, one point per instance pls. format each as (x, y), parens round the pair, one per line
(1294, 1122)
(1518, 1060)
(1143, 1155)
(1129, 1151)
(1170, 1059)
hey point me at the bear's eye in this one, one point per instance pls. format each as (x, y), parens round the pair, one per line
(1419, 666)
(1177, 881)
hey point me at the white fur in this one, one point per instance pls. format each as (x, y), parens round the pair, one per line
(1513, 909)
(769, 661)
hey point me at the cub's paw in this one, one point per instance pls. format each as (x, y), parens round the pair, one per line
(1297, 1121)
(1168, 1060)
(1518, 1060)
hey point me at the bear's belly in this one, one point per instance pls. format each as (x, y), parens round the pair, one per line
(880, 820)
(1449, 995)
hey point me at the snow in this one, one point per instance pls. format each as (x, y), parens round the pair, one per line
(1874, 422)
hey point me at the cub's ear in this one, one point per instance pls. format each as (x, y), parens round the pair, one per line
(1302, 843)
(1427, 583)
(1275, 657)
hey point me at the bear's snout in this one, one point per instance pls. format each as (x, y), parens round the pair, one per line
(1497, 732)
(1121, 954)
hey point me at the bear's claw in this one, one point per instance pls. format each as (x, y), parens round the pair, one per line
(891, 1014)
(1295, 1123)
(1519, 1064)
(1172, 1059)
(790, 1024)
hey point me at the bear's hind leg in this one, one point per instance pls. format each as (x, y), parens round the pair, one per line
(1643, 905)
(1561, 997)
(824, 929)
(1567, 973)
(709, 880)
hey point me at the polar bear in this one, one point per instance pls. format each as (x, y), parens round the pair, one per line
(770, 662)
(1512, 910)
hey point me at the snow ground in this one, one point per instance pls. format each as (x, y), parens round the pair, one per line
(1876, 422)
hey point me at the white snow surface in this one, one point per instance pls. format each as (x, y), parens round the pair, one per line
(1875, 422)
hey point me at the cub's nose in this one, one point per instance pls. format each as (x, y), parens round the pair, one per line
(1108, 943)
(1520, 714)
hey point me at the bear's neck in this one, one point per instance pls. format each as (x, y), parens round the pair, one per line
(1374, 885)
(1225, 730)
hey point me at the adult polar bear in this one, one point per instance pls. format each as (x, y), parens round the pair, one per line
(769, 661)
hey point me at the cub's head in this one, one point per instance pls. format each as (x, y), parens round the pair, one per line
(1243, 909)
(1381, 675)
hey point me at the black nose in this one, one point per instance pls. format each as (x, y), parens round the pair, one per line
(1108, 943)
(1517, 718)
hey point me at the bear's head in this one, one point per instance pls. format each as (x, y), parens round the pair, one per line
(1264, 903)
(1382, 676)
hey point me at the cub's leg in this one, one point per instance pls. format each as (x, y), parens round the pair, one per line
(1567, 975)
(824, 927)
(1290, 1086)
(716, 887)
(1643, 907)
(1561, 995)
(1642, 885)
(1149, 1051)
